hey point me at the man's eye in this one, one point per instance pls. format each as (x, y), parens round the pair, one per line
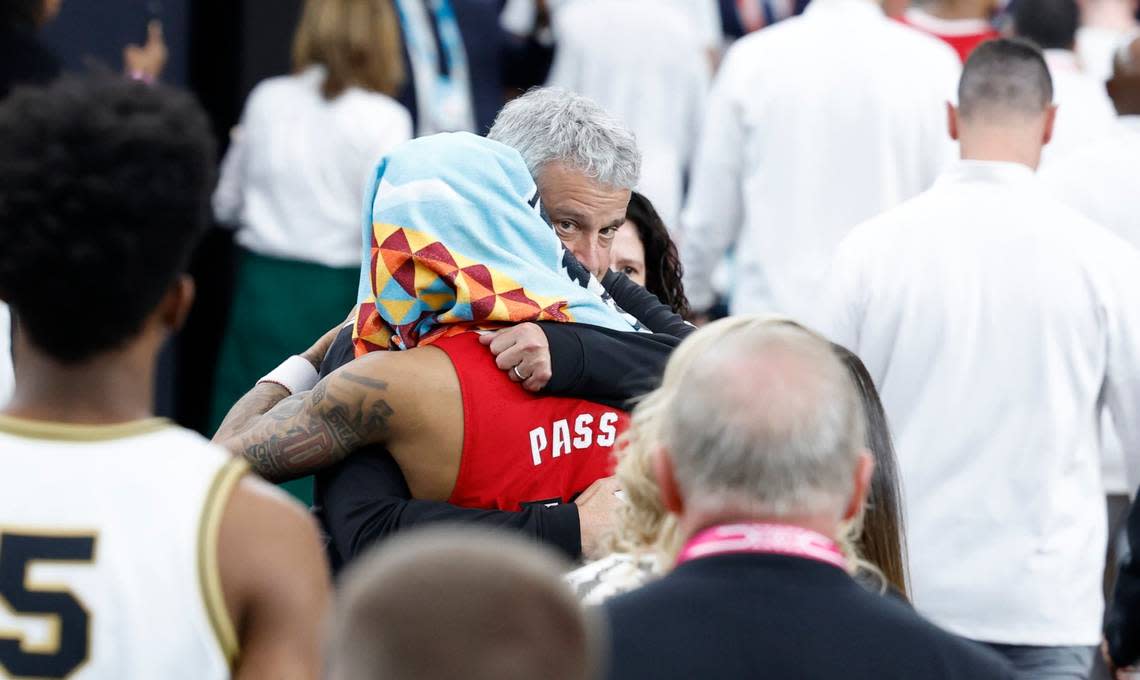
(608, 234)
(566, 226)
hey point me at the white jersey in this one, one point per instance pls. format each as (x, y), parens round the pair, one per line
(108, 552)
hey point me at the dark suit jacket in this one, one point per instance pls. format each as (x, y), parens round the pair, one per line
(1122, 629)
(772, 616)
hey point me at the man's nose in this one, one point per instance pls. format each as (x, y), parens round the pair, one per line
(592, 256)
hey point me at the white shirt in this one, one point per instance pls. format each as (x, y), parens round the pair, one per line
(137, 508)
(1084, 111)
(1096, 48)
(519, 16)
(813, 125)
(994, 320)
(293, 179)
(647, 65)
(7, 379)
(1101, 180)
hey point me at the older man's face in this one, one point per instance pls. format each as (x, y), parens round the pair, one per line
(586, 215)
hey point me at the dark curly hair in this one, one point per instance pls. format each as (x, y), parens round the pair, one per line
(662, 265)
(104, 187)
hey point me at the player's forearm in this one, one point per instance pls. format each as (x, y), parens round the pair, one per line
(256, 402)
(312, 430)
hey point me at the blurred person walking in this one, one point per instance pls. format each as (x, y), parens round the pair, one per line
(760, 458)
(1084, 111)
(1101, 180)
(987, 299)
(293, 183)
(645, 62)
(813, 125)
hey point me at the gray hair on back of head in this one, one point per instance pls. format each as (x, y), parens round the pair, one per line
(551, 124)
(768, 419)
(1004, 76)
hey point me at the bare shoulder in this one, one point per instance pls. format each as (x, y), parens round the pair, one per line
(269, 549)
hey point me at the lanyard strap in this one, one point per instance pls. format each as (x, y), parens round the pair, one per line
(763, 538)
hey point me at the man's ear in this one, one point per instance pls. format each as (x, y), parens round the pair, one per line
(1050, 120)
(952, 121)
(864, 469)
(176, 304)
(667, 481)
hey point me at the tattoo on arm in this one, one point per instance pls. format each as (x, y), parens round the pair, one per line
(257, 401)
(310, 431)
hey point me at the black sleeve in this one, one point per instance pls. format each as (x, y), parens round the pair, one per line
(645, 307)
(1122, 628)
(611, 367)
(602, 365)
(365, 498)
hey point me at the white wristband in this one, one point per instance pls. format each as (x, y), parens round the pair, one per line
(295, 374)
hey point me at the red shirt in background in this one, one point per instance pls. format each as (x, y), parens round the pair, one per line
(961, 34)
(519, 448)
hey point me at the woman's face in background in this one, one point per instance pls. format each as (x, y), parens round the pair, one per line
(627, 254)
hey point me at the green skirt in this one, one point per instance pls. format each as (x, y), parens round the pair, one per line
(280, 308)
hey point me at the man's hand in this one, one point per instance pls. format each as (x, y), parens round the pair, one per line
(597, 515)
(148, 61)
(523, 352)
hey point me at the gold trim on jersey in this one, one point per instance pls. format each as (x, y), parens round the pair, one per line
(209, 576)
(46, 429)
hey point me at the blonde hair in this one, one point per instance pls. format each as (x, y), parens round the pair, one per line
(358, 42)
(644, 525)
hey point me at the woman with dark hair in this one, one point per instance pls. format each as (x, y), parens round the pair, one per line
(882, 538)
(643, 251)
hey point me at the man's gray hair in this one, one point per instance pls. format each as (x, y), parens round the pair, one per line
(461, 603)
(768, 419)
(1004, 76)
(551, 124)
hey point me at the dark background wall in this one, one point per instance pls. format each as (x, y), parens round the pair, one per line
(95, 32)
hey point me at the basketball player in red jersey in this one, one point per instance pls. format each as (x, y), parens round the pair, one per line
(458, 427)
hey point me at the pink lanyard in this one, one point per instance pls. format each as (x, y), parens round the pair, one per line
(763, 538)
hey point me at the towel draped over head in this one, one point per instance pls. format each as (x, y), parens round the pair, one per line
(454, 240)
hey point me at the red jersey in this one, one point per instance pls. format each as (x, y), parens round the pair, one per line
(961, 34)
(519, 448)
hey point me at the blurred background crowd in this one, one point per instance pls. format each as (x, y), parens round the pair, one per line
(768, 129)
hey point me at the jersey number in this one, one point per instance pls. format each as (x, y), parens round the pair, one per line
(70, 624)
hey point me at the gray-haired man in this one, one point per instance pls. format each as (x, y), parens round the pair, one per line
(761, 460)
(584, 161)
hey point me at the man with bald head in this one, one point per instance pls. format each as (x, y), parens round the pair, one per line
(761, 460)
(997, 324)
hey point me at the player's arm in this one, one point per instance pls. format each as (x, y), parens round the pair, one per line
(275, 583)
(308, 431)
